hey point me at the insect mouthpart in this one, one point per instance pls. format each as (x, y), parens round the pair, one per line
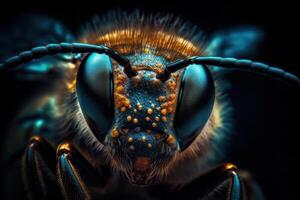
(141, 170)
(140, 153)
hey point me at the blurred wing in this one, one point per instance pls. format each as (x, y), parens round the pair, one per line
(29, 31)
(238, 42)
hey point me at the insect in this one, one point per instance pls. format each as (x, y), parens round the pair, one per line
(132, 111)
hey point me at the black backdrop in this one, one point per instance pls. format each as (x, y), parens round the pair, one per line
(266, 111)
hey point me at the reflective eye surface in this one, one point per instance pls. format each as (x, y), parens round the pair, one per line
(95, 93)
(195, 103)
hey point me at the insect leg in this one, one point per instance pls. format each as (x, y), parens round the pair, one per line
(39, 170)
(76, 176)
(222, 182)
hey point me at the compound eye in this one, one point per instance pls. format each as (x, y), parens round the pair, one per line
(195, 103)
(95, 93)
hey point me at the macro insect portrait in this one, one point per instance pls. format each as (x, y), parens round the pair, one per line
(135, 105)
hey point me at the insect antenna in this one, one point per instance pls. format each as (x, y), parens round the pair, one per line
(231, 63)
(51, 49)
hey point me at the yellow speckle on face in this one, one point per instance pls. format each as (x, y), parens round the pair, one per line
(130, 139)
(164, 105)
(129, 118)
(149, 111)
(135, 120)
(127, 103)
(148, 131)
(159, 71)
(163, 111)
(170, 139)
(157, 136)
(121, 77)
(171, 103)
(115, 133)
(171, 85)
(140, 107)
(144, 139)
(154, 124)
(120, 89)
(159, 65)
(172, 96)
(147, 50)
(175, 75)
(170, 109)
(161, 98)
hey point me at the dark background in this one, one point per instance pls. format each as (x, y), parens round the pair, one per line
(266, 111)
